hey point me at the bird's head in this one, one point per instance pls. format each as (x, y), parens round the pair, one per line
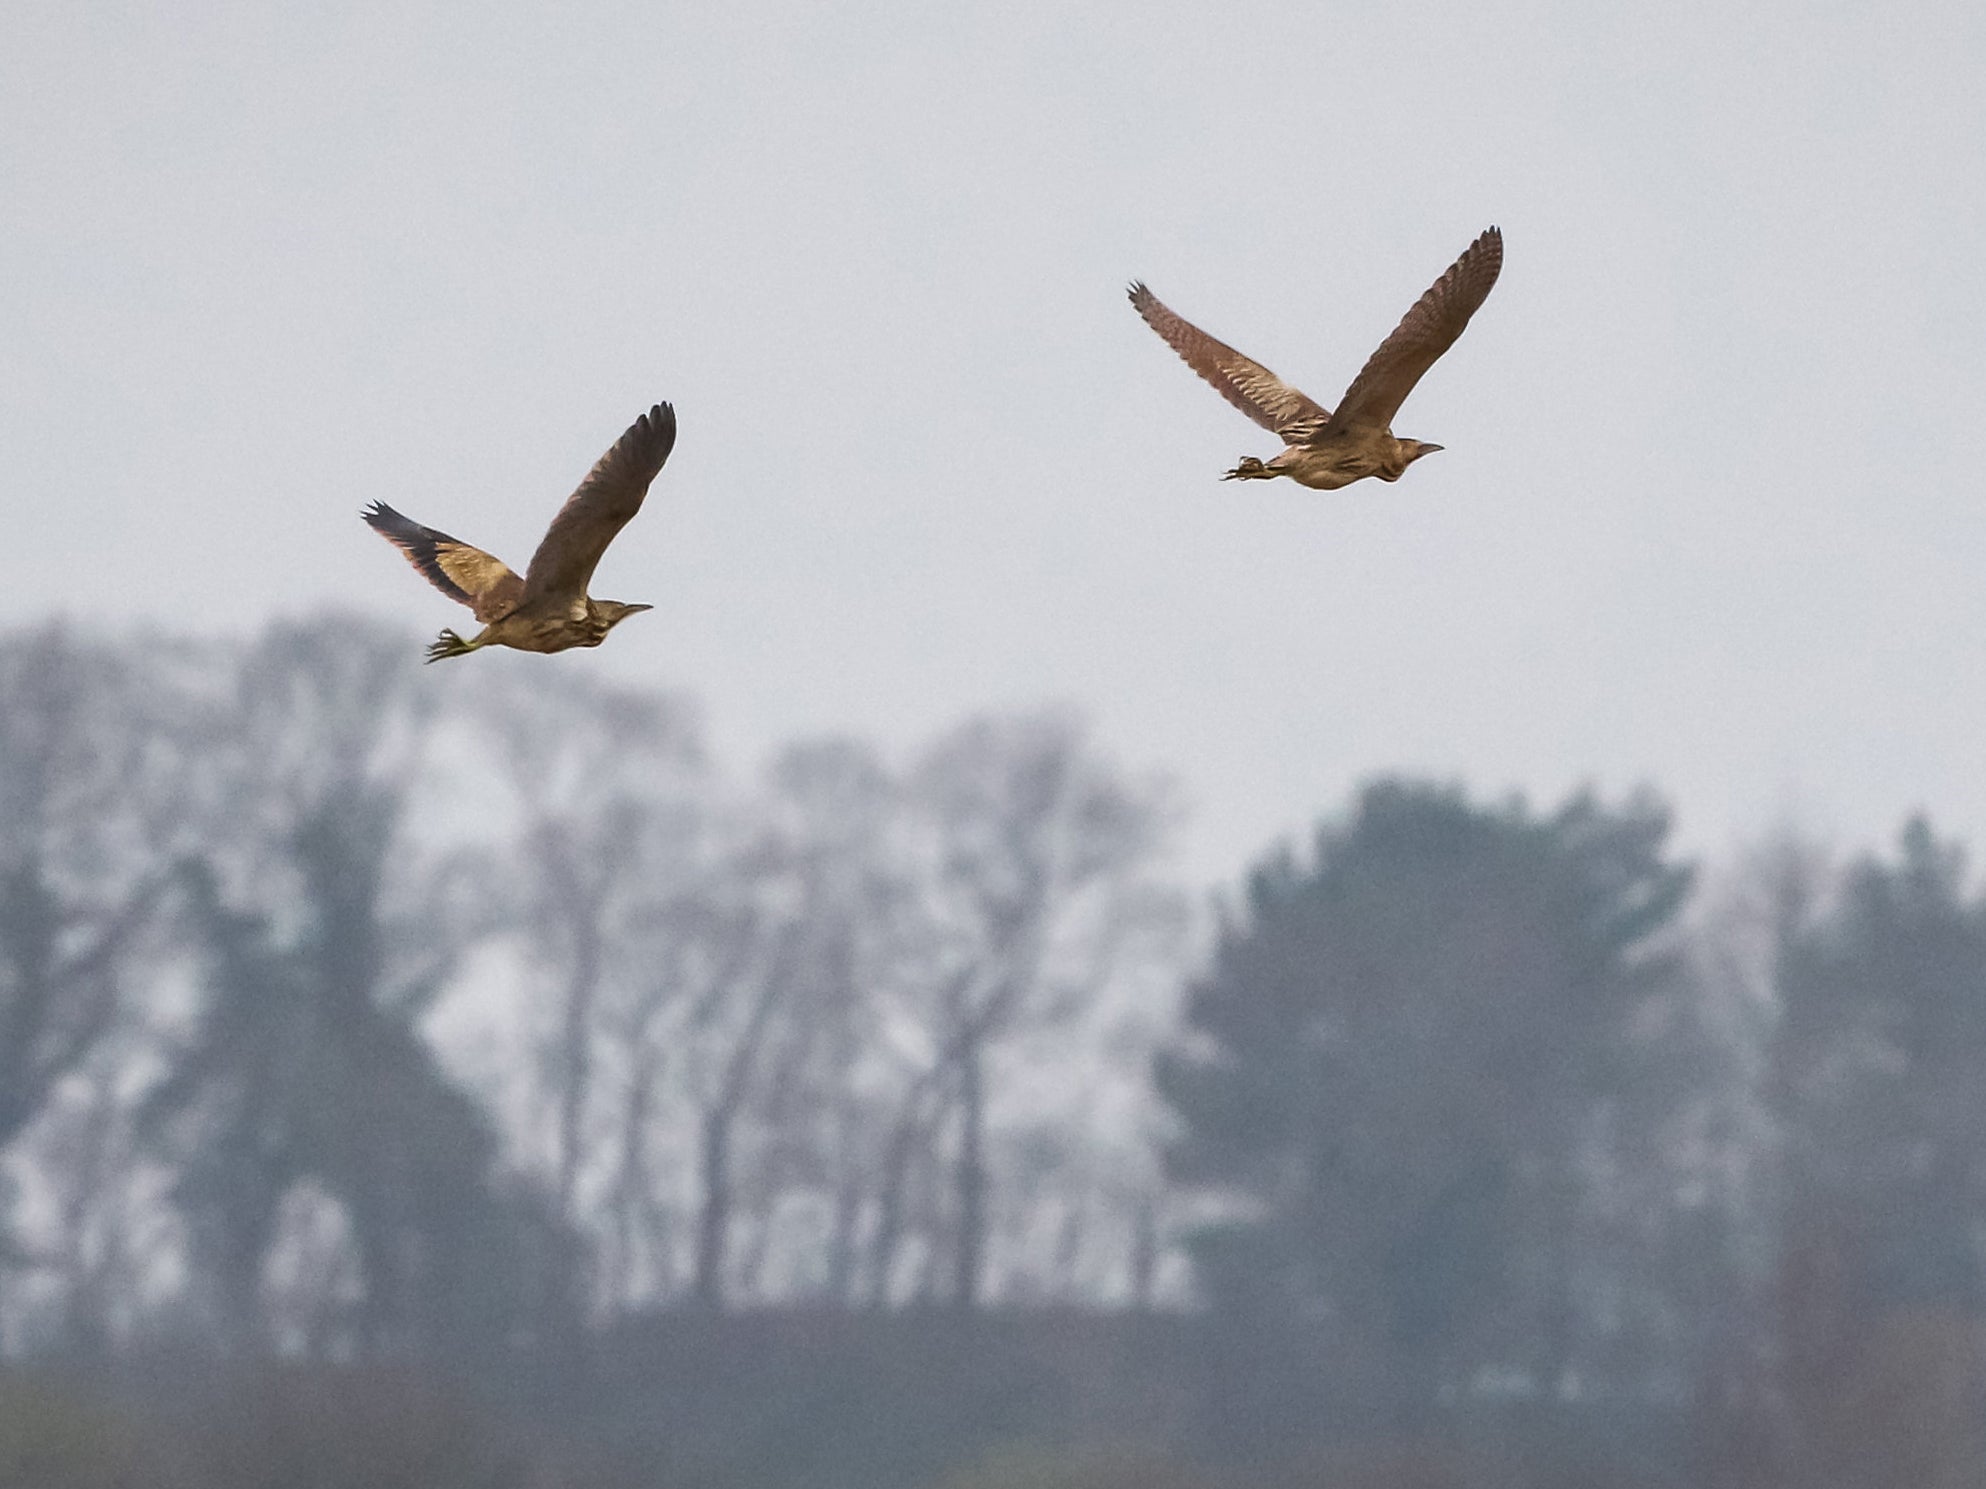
(613, 612)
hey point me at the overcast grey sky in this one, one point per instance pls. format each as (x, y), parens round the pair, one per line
(1710, 514)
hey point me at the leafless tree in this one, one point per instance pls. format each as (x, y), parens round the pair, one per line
(83, 795)
(94, 773)
(1039, 862)
(612, 796)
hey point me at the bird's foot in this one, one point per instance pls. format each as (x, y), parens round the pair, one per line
(448, 644)
(1250, 469)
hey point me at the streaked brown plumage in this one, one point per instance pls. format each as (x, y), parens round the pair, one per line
(1326, 450)
(548, 609)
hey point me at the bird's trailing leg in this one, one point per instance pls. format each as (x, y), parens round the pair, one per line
(448, 644)
(1250, 469)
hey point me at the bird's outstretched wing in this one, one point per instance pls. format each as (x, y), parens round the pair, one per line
(485, 584)
(1242, 381)
(601, 507)
(1424, 333)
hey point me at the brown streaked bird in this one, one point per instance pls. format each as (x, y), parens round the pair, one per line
(1326, 450)
(548, 609)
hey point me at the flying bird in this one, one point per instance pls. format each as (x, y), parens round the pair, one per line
(548, 609)
(1326, 450)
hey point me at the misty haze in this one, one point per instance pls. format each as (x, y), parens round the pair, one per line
(1026, 966)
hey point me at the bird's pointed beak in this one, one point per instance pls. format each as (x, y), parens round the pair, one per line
(637, 609)
(1427, 449)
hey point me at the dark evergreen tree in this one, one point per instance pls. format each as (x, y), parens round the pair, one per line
(1389, 1070)
(308, 1064)
(230, 1108)
(1881, 1042)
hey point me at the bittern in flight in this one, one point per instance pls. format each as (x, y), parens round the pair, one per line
(1326, 450)
(548, 609)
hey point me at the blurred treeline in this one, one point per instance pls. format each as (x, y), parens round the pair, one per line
(458, 1077)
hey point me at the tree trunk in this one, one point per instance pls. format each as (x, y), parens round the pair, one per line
(970, 1259)
(575, 1061)
(714, 1218)
(891, 1199)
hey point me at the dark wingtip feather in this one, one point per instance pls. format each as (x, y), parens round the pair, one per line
(395, 527)
(657, 428)
(418, 543)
